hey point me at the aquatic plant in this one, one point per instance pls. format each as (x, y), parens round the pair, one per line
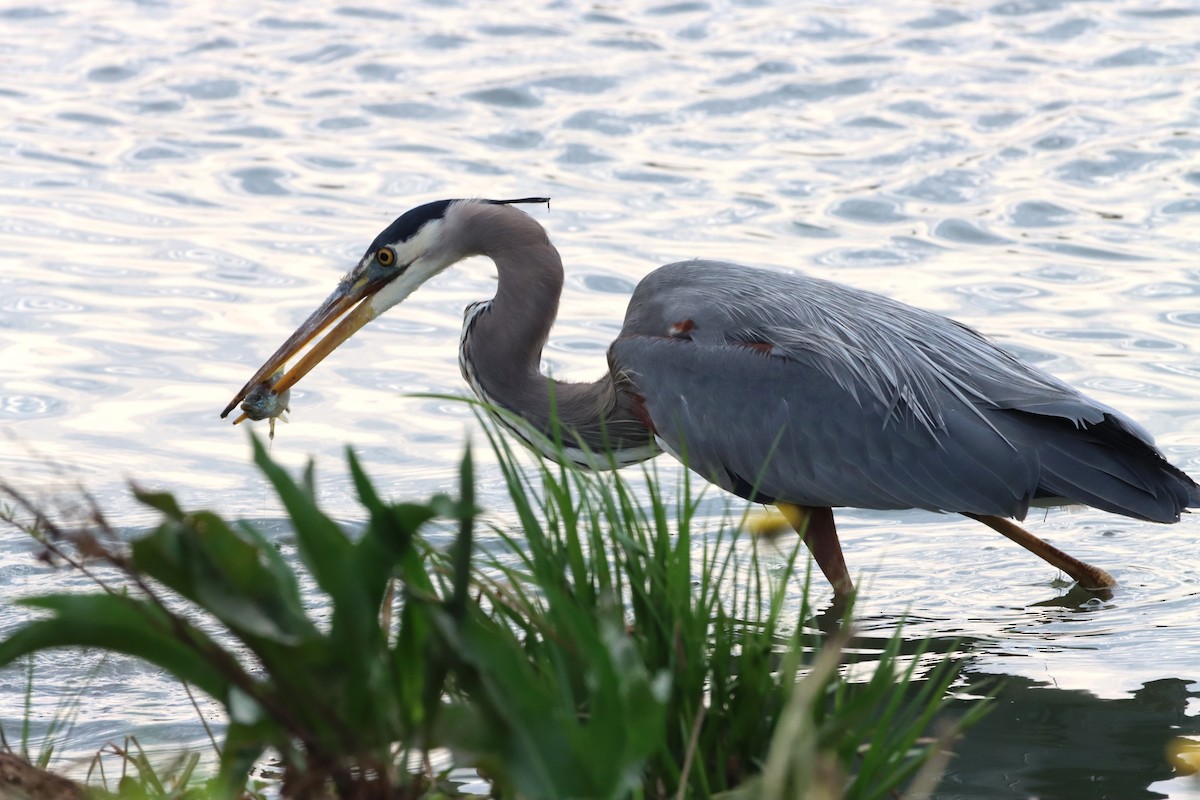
(592, 655)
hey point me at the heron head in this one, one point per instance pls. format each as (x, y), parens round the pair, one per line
(415, 247)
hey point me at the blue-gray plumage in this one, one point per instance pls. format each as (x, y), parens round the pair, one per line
(866, 402)
(777, 387)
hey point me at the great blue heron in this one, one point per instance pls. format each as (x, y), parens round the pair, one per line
(777, 387)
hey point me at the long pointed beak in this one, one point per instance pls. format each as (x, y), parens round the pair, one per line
(349, 293)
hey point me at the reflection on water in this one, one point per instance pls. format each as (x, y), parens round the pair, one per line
(1042, 741)
(182, 184)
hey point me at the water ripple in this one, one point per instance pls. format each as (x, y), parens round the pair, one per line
(506, 96)
(1039, 214)
(39, 304)
(214, 89)
(966, 232)
(1189, 319)
(1117, 164)
(408, 110)
(875, 212)
(261, 180)
(1087, 253)
(951, 186)
(184, 184)
(27, 406)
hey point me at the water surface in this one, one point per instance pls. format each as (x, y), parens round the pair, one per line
(182, 183)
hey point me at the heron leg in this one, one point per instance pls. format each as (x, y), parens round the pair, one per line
(1089, 577)
(816, 528)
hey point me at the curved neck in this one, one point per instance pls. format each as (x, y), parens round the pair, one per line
(501, 348)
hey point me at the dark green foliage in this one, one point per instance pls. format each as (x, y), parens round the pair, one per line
(592, 657)
(730, 646)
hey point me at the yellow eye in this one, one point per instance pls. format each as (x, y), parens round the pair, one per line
(386, 256)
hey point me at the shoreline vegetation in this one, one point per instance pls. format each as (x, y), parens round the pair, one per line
(606, 648)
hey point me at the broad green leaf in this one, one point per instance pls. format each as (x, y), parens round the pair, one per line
(330, 557)
(322, 545)
(362, 484)
(162, 501)
(126, 625)
(211, 564)
(281, 571)
(242, 747)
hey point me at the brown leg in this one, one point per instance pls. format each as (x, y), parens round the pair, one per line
(815, 526)
(1089, 577)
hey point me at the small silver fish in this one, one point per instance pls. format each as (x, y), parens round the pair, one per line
(264, 403)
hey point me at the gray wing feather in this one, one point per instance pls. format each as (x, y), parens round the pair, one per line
(816, 444)
(863, 401)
